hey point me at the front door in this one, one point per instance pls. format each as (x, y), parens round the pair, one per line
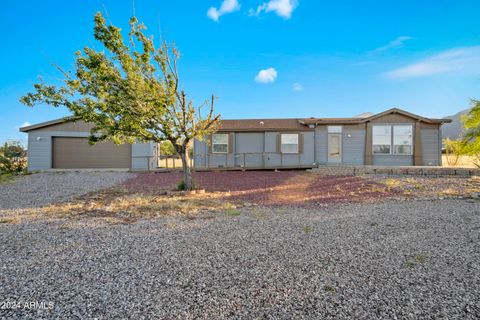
(334, 147)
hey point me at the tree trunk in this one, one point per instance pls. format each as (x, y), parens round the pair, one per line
(187, 172)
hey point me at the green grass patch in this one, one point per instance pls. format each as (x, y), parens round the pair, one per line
(6, 177)
(232, 212)
(421, 258)
(308, 229)
(418, 258)
(328, 288)
(259, 213)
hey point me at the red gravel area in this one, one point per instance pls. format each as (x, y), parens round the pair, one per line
(269, 187)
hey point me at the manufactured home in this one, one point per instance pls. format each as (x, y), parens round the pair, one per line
(391, 138)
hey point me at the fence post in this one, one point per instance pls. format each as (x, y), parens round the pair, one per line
(244, 160)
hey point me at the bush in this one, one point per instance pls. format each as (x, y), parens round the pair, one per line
(181, 186)
(12, 158)
(167, 149)
(476, 160)
(453, 150)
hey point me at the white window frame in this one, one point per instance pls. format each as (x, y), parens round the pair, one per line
(392, 139)
(389, 140)
(282, 144)
(214, 144)
(411, 140)
(335, 129)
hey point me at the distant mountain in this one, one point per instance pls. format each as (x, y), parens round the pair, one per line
(453, 130)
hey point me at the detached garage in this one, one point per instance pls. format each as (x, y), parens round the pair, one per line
(63, 144)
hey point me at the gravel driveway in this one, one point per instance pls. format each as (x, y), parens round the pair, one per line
(411, 259)
(43, 188)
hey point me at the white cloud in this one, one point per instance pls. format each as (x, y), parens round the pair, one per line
(25, 124)
(266, 76)
(283, 8)
(227, 6)
(297, 87)
(466, 60)
(394, 44)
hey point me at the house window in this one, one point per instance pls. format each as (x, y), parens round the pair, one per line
(220, 143)
(382, 139)
(392, 139)
(289, 143)
(334, 129)
(402, 139)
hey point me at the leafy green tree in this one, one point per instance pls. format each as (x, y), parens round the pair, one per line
(471, 123)
(130, 92)
(12, 157)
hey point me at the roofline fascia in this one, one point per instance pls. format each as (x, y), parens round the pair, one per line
(47, 123)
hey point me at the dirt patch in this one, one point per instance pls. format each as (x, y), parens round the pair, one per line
(223, 181)
(270, 187)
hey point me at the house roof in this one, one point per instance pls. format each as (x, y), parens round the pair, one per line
(302, 123)
(279, 123)
(355, 120)
(261, 124)
(47, 123)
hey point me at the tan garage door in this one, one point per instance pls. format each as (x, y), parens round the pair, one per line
(76, 153)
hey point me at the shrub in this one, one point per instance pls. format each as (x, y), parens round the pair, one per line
(167, 149)
(453, 150)
(182, 187)
(12, 158)
(476, 160)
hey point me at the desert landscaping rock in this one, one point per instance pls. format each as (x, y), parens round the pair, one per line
(43, 188)
(405, 259)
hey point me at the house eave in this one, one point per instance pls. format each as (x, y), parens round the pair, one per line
(47, 124)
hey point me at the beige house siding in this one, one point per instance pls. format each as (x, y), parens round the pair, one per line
(393, 118)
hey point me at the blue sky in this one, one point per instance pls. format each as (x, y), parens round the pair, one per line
(265, 58)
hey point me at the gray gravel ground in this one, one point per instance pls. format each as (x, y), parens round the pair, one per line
(43, 188)
(409, 260)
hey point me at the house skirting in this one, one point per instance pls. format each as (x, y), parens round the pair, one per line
(394, 171)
